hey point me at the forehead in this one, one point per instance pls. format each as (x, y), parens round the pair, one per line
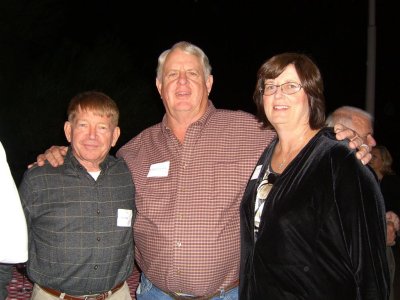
(362, 125)
(289, 73)
(92, 115)
(376, 152)
(178, 59)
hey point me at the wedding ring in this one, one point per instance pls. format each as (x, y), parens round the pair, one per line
(354, 137)
(366, 146)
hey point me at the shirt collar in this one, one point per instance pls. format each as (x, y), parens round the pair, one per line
(77, 165)
(202, 121)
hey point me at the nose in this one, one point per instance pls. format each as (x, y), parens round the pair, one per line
(278, 92)
(182, 78)
(92, 132)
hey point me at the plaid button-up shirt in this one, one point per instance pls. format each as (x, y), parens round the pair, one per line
(188, 195)
(80, 241)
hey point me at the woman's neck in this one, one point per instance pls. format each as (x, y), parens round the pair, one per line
(289, 145)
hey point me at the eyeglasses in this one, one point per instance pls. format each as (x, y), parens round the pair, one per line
(287, 88)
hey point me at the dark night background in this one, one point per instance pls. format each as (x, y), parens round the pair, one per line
(52, 49)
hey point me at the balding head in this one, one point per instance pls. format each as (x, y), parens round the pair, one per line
(354, 118)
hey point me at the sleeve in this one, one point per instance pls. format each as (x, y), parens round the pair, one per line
(361, 211)
(13, 229)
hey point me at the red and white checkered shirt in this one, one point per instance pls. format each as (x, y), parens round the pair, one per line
(187, 195)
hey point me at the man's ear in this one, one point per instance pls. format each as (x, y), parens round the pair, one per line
(68, 131)
(116, 134)
(371, 142)
(209, 83)
(159, 86)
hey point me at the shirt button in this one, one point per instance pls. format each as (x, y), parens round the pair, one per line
(306, 268)
(178, 244)
(98, 211)
(98, 239)
(96, 267)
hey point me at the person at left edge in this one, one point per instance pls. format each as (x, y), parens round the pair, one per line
(80, 215)
(13, 231)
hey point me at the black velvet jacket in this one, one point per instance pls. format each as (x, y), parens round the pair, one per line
(322, 231)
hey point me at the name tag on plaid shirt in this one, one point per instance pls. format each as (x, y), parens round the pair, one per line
(124, 217)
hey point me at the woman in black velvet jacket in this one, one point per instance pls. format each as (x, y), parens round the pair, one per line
(312, 216)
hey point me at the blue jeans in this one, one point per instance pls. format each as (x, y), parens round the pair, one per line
(148, 291)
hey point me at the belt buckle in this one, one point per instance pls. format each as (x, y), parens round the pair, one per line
(182, 296)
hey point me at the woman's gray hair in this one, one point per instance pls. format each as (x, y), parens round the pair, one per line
(190, 49)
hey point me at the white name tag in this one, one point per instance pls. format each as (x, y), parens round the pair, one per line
(256, 172)
(159, 170)
(124, 218)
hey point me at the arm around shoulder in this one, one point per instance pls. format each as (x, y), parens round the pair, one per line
(54, 155)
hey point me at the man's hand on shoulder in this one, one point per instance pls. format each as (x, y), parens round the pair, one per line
(356, 142)
(54, 155)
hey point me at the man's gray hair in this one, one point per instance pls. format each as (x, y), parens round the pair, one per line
(345, 113)
(190, 49)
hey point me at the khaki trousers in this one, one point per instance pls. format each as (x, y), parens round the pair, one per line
(39, 294)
